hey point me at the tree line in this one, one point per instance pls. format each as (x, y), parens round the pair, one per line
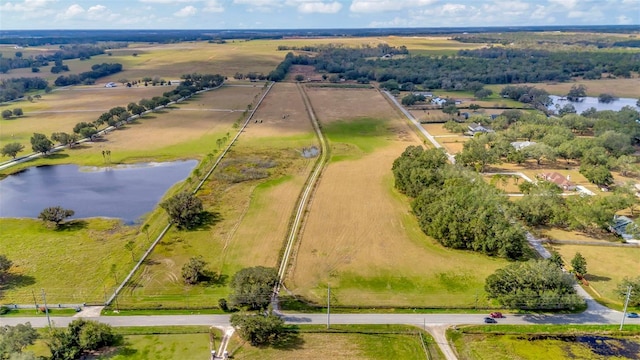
(455, 206)
(89, 77)
(487, 66)
(15, 88)
(65, 52)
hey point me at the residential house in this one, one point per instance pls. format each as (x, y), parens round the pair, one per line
(475, 128)
(620, 226)
(558, 179)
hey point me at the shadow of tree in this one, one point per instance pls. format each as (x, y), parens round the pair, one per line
(290, 340)
(57, 156)
(212, 278)
(72, 225)
(11, 281)
(591, 277)
(206, 220)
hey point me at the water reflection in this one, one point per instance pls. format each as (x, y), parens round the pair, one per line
(125, 192)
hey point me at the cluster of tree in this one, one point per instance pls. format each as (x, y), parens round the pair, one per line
(79, 338)
(261, 329)
(634, 298)
(15, 88)
(615, 135)
(487, 66)
(455, 206)
(55, 215)
(411, 99)
(184, 209)
(57, 68)
(194, 270)
(607, 98)
(282, 69)
(7, 114)
(13, 340)
(89, 77)
(79, 51)
(253, 76)
(538, 285)
(539, 98)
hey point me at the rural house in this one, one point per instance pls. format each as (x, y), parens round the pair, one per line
(557, 179)
(620, 225)
(475, 128)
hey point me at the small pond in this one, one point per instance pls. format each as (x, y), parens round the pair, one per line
(126, 192)
(589, 102)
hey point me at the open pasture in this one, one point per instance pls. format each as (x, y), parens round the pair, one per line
(606, 267)
(360, 236)
(75, 264)
(251, 217)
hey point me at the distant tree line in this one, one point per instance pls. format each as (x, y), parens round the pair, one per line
(89, 77)
(487, 66)
(66, 52)
(15, 88)
(455, 206)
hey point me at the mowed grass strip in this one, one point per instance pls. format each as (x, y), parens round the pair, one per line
(360, 237)
(342, 342)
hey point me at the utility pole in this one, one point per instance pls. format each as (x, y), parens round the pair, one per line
(328, 306)
(626, 303)
(46, 309)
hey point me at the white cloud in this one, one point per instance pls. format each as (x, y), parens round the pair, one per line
(186, 11)
(372, 6)
(540, 12)
(213, 6)
(100, 12)
(257, 3)
(71, 12)
(319, 7)
(26, 5)
(567, 4)
(506, 8)
(167, 1)
(624, 20)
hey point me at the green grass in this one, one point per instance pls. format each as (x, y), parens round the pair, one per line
(141, 343)
(72, 265)
(354, 138)
(346, 341)
(151, 312)
(544, 342)
(33, 313)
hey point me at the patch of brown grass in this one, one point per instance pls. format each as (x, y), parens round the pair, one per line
(619, 87)
(332, 104)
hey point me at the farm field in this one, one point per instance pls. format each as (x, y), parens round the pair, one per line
(344, 342)
(373, 254)
(544, 343)
(606, 267)
(251, 217)
(188, 132)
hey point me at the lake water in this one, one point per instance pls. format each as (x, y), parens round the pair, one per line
(126, 192)
(589, 102)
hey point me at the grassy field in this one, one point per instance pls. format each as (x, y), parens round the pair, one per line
(606, 267)
(545, 343)
(252, 216)
(73, 265)
(373, 253)
(345, 342)
(163, 343)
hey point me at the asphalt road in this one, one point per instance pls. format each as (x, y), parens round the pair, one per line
(590, 317)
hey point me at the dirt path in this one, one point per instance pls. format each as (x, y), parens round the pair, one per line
(439, 335)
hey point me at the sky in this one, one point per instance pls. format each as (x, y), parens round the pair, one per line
(296, 14)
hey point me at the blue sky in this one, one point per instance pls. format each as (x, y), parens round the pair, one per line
(285, 14)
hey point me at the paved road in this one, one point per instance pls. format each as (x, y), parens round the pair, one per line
(598, 315)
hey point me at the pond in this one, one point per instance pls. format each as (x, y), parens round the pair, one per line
(589, 102)
(126, 192)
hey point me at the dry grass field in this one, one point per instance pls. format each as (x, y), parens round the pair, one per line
(252, 217)
(360, 236)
